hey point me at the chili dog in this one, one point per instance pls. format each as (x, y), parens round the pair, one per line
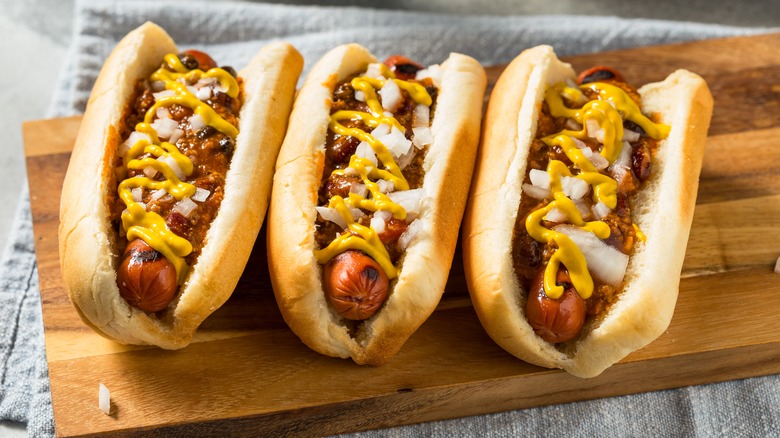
(580, 209)
(168, 184)
(368, 196)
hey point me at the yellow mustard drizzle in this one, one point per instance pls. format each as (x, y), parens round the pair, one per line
(361, 237)
(150, 226)
(612, 105)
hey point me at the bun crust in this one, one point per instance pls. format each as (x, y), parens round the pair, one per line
(88, 252)
(296, 274)
(663, 210)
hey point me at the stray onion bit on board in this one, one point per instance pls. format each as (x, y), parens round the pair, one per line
(777, 266)
(104, 399)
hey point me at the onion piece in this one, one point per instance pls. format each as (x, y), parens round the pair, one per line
(391, 96)
(421, 116)
(185, 207)
(360, 96)
(408, 236)
(600, 210)
(359, 189)
(177, 134)
(157, 194)
(574, 188)
(434, 72)
(604, 262)
(163, 113)
(165, 127)
(396, 142)
(104, 399)
(594, 130)
(203, 93)
(584, 208)
(777, 266)
(378, 224)
(573, 125)
(200, 194)
(422, 137)
(598, 161)
(630, 136)
(137, 193)
(134, 138)
(384, 215)
(405, 160)
(364, 150)
(385, 186)
(157, 86)
(540, 178)
(150, 172)
(536, 192)
(374, 70)
(380, 130)
(162, 94)
(410, 200)
(197, 123)
(556, 215)
(332, 215)
(171, 162)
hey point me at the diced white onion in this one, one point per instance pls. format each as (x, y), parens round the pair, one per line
(219, 88)
(192, 89)
(540, 178)
(378, 224)
(598, 161)
(573, 125)
(200, 194)
(159, 193)
(434, 72)
(391, 96)
(383, 214)
(600, 210)
(360, 96)
(421, 116)
(385, 186)
(137, 193)
(357, 214)
(630, 136)
(134, 138)
(104, 399)
(374, 70)
(396, 142)
(165, 127)
(163, 113)
(624, 157)
(594, 130)
(185, 207)
(359, 189)
(351, 171)
(405, 160)
(171, 162)
(380, 130)
(408, 236)
(206, 82)
(422, 137)
(203, 93)
(584, 207)
(777, 266)
(177, 134)
(330, 214)
(364, 150)
(410, 200)
(162, 94)
(556, 215)
(157, 86)
(150, 172)
(581, 144)
(197, 123)
(536, 192)
(604, 262)
(574, 188)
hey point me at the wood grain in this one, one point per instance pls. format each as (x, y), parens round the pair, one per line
(246, 373)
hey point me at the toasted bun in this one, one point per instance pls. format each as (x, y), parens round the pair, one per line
(663, 209)
(88, 254)
(295, 273)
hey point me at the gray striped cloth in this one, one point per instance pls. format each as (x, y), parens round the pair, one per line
(233, 32)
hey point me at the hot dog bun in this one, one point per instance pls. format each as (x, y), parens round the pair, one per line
(663, 210)
(296, 274)
(88, 242)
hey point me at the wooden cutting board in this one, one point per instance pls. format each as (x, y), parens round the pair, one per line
(247, 373)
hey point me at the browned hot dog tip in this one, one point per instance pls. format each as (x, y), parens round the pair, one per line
(146, 279)
(355, 285)
(555, 320)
